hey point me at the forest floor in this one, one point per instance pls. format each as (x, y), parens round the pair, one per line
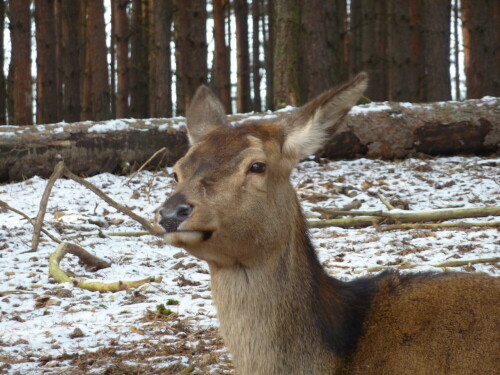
(171, 327)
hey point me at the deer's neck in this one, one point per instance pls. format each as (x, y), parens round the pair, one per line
(273, 317)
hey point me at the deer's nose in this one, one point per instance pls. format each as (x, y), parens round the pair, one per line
(174, 211)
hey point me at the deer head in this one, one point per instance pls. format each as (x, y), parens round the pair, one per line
(234, 203)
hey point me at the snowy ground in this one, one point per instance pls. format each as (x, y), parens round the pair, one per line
(46, 328)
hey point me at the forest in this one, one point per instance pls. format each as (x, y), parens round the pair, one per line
(67, 60)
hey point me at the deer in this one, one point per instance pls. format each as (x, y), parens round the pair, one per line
(235, 208)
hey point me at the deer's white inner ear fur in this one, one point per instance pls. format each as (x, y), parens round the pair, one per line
(205, 113)
(313, 124)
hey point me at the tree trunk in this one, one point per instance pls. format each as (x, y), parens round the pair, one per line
(269, 32)
(121, 36)
(72, 60)
(431, 52)
(243, 94)
(191, 46)
(20, 36)
(374, 47)
(3, 82)
(377, 131)
(161, 72)
(287, 88)
(97, 58)
(139, 66)
(481, 33)
(336, 37)
(398, 51)
(46, 93)
(59, 58)
(256, 64)
(222, 80)
(354, 37)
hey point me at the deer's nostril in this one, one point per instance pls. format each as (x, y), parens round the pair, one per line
(183, 211)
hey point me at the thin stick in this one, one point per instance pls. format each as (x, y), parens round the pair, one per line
(385, 202)
(491, 224)
(145, 224)
(58, 170)
(144, 165)
(452, 263)
(5, 205)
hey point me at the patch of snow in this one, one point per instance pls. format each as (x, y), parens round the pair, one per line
(109, 126)
(368, 108)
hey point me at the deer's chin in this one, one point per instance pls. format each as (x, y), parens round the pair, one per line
(186, 238)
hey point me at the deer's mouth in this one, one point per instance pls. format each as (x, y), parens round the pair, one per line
(182, 238)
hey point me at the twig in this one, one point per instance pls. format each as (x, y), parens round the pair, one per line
(31, 221)
(492, 224)
(58, 170)
(93, 285)
(145, 224)
(385, 202)
(144, 165)
(452, 263)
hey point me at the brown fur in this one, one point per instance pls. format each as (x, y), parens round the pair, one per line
(279, 312)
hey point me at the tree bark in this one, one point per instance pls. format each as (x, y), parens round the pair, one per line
(161, 73)
(389, 131)
(120, 19)
(222, 80)
(287, 87)
(46, 79)
(243, 93)
(431, 52)
(336, 34)
(20, 36)
(3, 81)
(72, 43)
(481, 33)
(268, 24)
(256, 64)
(139, 66)
(191, 49)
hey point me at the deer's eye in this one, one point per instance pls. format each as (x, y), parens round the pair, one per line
(257, 168)
(174, 175)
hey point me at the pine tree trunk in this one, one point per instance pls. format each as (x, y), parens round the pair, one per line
(287, 88)
(20, 30)
(399, 53)
(59, 58)
(222, 81)
(432, 52)
(256, 64)
(481, 33)
(269, 37)
(120, 19)
(354, 37)
(46, 93)
(139, 66)
(191, 46)
(336, 34)
(374, 47)
(243, 94)
(97, 60)
(161, 72)
(3, 82)
(72, 60)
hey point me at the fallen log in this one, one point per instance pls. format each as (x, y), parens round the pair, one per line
(375, 130)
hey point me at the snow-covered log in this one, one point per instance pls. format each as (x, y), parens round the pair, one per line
(375, 130)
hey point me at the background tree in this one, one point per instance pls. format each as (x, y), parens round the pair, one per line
(222, 72)
(121, 37)
(286, 67)
(139, 65)
(481, 32)
(191, 49)
(46, 83)
(243, 94)
(20, 35)
(256, 63)
(160, 70)
(3, 82)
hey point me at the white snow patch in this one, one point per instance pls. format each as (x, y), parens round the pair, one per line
(109, 126)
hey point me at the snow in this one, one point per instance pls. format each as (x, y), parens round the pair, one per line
(36, 333)
(368, 108)
(109, 126)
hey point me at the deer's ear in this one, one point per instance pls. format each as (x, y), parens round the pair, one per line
(205, 112)
(311, 125)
